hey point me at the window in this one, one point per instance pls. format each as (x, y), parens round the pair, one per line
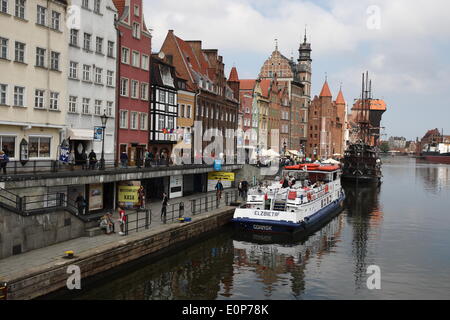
(74, 37)
(181, 110)
(40, 57)
(55, 20)
(136, 30)
(97, 6)
(85, 4)
(54, 100)
(4, 6)
(145, 60)
(133, 120)
(98, 75)
(20, 9)
(161, 122)
(20, 52)
(98, 107)
(73, 70)
(109, 108)
(124, 87)
(170, 123)
(3, 91)
(3, 48)
(99, 45)
(144, 91)
(136, 11)
(171, 98)
(8, 144)
(54, 61)
(85, 106)
(39, 147)
(135, 59)
(86, 73)
(134, 89)
(123, 119)
(72, 104)
(188, 111)
(110, 78)
(162, 96)
(39, 99)
(143, 121)
(41, 14)
(111, 49)
(87, 42)
(19, 94)
(125, 55)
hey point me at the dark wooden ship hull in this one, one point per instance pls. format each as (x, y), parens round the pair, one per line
(361, 164)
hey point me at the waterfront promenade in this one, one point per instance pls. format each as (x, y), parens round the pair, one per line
(44, 270)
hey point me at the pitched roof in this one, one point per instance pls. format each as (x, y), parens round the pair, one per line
(233, 75)
(325, 90)
(340, 98)
(246, 84)
(120, 5)
(265, 85)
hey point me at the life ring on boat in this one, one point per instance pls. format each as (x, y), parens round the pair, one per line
(326, 189)
(309, 196)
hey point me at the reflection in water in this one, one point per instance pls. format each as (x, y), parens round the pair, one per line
(435, 177)
(272, 263)
(364, 214)
(330, 263)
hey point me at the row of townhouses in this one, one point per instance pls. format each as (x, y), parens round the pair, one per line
(66, 65)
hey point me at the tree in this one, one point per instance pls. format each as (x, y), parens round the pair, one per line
(384, 147)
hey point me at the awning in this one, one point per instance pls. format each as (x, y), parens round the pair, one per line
(80, 134)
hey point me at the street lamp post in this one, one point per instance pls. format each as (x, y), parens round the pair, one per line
(104, 119)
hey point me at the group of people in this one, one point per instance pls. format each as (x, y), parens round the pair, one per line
(243, 189)
(87, 161)
(150, 159)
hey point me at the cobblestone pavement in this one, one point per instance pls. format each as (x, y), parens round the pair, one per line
(42, 256)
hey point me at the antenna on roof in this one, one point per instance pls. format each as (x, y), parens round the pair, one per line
(305, 34)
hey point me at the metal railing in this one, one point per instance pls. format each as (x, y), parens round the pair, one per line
(142, 220)
(174, 211)
(211, 202)
(40, 167)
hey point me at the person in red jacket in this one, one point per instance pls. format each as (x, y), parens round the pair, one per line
(122, 221)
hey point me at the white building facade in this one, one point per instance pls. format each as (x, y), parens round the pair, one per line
(91, 77)
(33, 78)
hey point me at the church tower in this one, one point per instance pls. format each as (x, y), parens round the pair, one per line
(304, 70)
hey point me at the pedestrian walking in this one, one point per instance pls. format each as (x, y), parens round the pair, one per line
(219, 189)
(122, 221)
(141, 195)
(4, 159)
(164, 207)
(244, 189)
(240, 189)
(124, 160)
(81, 204)
(92, 159)
(83, 160)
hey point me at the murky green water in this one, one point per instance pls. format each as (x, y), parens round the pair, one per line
(403, 227)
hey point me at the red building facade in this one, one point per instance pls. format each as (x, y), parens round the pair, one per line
(134, 53)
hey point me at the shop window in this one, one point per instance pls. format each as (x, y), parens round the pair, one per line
(39, 147)
(8, 145)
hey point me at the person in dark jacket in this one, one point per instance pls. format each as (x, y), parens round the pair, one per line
(124, 160)
(164, 207)
(83, 160)
(4, 159)
(92, 160)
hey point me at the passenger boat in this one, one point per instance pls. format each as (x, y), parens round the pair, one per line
(314, 194)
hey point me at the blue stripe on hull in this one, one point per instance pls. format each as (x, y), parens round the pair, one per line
(270, 226)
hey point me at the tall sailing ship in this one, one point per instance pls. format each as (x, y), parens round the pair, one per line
(361, 162)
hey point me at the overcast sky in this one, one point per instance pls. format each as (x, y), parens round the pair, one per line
(405, 46)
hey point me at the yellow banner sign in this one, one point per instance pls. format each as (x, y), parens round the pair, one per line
(128, 194)
(224, 176)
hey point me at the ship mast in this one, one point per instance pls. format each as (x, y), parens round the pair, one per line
(364, 118)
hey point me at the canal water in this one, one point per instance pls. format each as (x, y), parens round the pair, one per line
(403, 227)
